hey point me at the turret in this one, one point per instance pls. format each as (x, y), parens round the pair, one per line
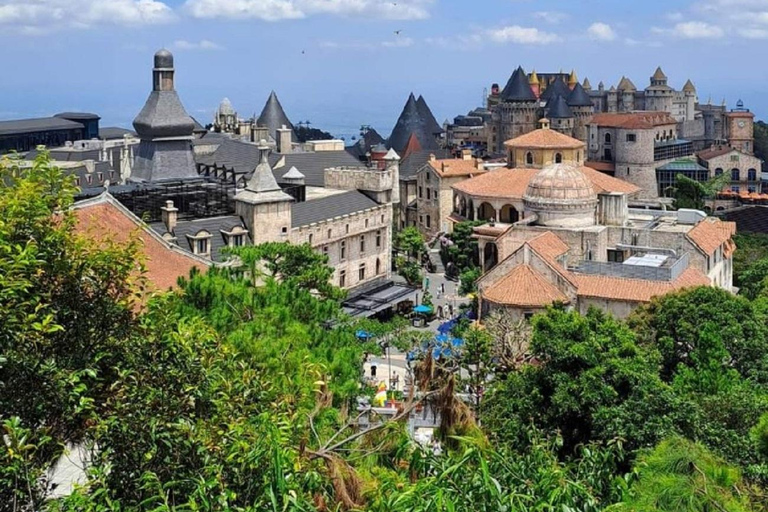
(572, 79)
(533, 80)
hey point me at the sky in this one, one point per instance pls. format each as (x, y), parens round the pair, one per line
(344, 63)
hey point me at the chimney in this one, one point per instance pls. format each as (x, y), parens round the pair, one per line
(284, 140)
(466, 154)
(431, 157)
(170, 216)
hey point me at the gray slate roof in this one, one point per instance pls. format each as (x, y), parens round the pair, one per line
(579, 97)
(273, 117)
(316, 210)
(556, 88)
(518, 88)
(214, 225)
(163, 115)
(426, 113)
(557, 108)
(114, 132)
(312, 165)
(411, 120)
(37, 125)
(411, 164)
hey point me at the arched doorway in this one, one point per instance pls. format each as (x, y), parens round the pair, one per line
(471, 210)
(487, 212)
(490, 256)
(509, 214)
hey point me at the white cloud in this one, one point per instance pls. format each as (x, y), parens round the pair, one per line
(697, 30)
(41, 15)
(400, 42)
(203, 44)
(553, 17)
(601, 32)
(521, 35)
(275, 10)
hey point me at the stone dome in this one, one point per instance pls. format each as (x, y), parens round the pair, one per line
(562, 196)
(225, 108)
(163, 59)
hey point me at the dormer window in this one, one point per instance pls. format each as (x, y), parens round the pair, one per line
(238, 240)
(88, 179)
(101, 177)
(201, 246)
(201, 243)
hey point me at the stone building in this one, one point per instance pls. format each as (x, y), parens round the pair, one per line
(434, 196)
(743, 168)
(26, 134)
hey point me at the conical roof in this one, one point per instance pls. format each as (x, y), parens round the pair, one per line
(426, 113)
(659, 74)
(410, 122)
(626, 85)
(579, 97)
(689, 87)
(293, 174)
(557, 108)
(587, 86)
(556, 88)
(391, 155)
(273, 117)
(572, 78)
(518, 88)
(263, 180)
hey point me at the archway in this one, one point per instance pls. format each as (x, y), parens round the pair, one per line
(490, 256)
(558, 158)
(509, 214)
(471, 209)
(487, 212)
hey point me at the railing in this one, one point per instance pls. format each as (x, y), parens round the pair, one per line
(613, 269)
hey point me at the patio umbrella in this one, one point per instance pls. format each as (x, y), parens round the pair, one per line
(441, 338)
(422, 309)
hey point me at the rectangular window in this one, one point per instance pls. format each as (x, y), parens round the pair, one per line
(631, 137)
(330, 233)
(202, 246)
(325, 250)
(101, 177)
(343, 253)
(421, 192)
(734, 188)
(615, 256)
(88, 178)
(428, 193)
(237, 240)
(310, 239)
(362, 244)
(378, 239)
(342, 278)
(734, 158)
(361, 272)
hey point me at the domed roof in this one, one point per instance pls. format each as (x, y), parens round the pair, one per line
(163, 59)
(226, 108)
(560, 187)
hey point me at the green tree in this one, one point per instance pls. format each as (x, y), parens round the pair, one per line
(689, 193)
(468, 280)
(410, 242)
(462, 251)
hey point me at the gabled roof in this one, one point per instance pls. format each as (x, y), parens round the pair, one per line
(524, 287)
(710, 233)
(411, 120)
(716, 151)
(579, 97)
(426, 113)
(556, 88)
(635, 290)
(103, 218)
(185, 229)
(557, 108)
(544, 138)
(518, 88)
(414, 161)
(273, 117)
(412, 146)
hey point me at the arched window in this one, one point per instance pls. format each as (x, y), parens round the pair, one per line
(558, 158)
(718, 171)
(529, 158)
(752, 175)
(607, 138)
(734, 175)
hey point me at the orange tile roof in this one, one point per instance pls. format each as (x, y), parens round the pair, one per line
(604, 183)
(103, 218)
(455, 167)
(714, 152)
(412, 146)
(711, 233)
(635, 290)
(508, 183)
(502, 183)
(524, 287)
(549, 246)
(601, 166)
(544, 138)
(633, 120)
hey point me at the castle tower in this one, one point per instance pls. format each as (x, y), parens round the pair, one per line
(659, 95)
(392, 164)
(273, 118)
(626, 95)
(517, 111)
(586, 85)
(165, 129)
(689, 92)
(263, 206)
(739, 125)
(572, 79)
(560, 116)
(225, 118)
(534, 81)
(583, 109)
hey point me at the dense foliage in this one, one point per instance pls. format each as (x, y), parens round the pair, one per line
(237, 391)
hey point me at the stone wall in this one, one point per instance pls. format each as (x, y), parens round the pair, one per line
(359, 178)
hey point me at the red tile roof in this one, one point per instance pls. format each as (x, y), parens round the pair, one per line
(710, 233)
(635, 290)
(524, 287)
(601, 166)
(633, 120)
(456, 167)
(104, 219)
(604, 183)
(412, 146)
(715, 151)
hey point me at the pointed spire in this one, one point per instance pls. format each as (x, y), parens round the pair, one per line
(557, 108)
(579, 97)
(273, 117)
(410, 122)
(587, 86)
(556, 88)
(626, 85)
(659, 74)
(534, 78)
(689, 87)
(572, 79)
(518, 88)
(426, 113)
(391, 155)
(262, 179)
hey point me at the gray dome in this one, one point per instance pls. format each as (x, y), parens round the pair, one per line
(225, 108)
(163, 59)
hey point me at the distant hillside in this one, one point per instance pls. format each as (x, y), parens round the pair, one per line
(305, 133)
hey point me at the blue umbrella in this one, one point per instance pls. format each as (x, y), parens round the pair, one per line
(436, 353)
(363, 335)
(441, 338)
(446, 327)
(458, 342)
(446, 352)
(422, 309)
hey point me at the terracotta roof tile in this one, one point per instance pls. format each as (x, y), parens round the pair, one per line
(544, 138)
(714, 152)
(711, 233)
(455, 167)
(635, 290)
(549, 246)
(102, 220)
(604, 183)
(524, 287)
(502, 183)
(601, 166)
(633, 120)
